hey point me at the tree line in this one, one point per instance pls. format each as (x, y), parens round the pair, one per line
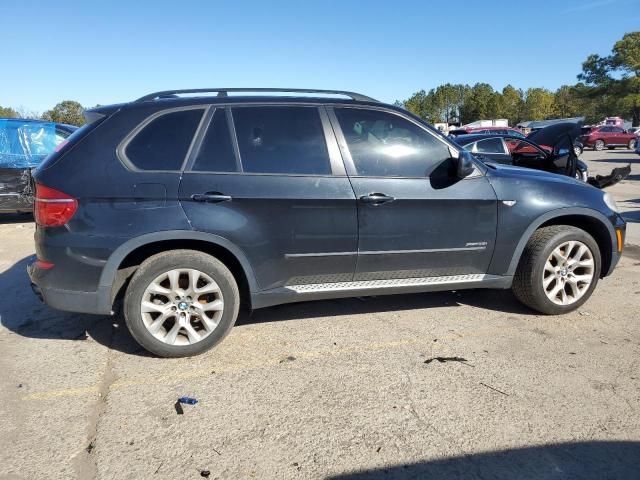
(67, 111)
(607, 86)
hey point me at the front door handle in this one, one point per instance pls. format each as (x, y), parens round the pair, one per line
(210, 197)
(376, 198)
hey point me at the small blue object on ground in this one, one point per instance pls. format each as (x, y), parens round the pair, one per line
(188, 400)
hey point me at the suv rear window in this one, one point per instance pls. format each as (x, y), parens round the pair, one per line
(164, 142)
(287, 140)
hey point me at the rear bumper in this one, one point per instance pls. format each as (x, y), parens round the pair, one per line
(71, 300)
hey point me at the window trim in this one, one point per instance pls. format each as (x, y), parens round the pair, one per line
(346, 153)
(199, 140)
(122, 146)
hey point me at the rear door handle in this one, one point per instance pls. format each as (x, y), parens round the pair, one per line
(210, 197)
(376, 198)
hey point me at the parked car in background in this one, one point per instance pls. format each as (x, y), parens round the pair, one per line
(488, 130)
(24, 143)
(523, 152)
(185, 207)
(607, 136)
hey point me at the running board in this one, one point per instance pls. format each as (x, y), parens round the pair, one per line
(318, 291)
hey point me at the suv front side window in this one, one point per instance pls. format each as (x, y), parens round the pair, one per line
(386, 145)
(284, 140)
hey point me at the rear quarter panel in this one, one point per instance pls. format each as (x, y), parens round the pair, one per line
(115, 204)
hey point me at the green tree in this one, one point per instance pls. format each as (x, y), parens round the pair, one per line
(511, 104)
(421, 104)
(8, 112)
(614, 80)
(539, 104)
(68, 111)
(481, 102)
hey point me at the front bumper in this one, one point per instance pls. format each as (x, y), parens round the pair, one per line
(70, 300)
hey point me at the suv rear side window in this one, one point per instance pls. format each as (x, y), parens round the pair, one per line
(287, 140)
(216, 152)
(386, 145)
(164, 142)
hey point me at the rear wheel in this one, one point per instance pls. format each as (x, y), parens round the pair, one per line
(599, 145)
(632, 144)
(181, 303)
(558, 270)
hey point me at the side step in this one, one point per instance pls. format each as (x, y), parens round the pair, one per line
(319, 291)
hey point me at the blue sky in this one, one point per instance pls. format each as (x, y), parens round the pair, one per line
(114, 51)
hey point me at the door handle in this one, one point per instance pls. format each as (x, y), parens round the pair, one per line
(376, 198)
(210, 197)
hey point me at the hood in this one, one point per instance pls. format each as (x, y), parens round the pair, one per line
(529, 173)
(558, 135)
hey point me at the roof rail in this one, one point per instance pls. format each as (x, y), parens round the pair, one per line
(223, 92)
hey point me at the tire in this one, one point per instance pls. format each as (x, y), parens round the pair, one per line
(599, 145)
(528, 283)
(632, 145)
(180, 330)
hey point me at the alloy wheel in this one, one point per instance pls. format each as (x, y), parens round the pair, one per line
(568, 272)
(182, 306)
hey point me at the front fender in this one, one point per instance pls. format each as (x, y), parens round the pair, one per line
(507, 263)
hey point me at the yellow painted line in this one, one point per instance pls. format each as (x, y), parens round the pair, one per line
(259, 364)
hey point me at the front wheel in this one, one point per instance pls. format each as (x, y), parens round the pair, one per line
(599, 145)
(558, 270)
(181, 303)
(632, 144)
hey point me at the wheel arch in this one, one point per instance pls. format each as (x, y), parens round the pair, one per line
(591, 221)
(125, 260)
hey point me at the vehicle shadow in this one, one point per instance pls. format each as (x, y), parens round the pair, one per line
(497, 300)
(593, 460)
(25, 315)
(8, 218)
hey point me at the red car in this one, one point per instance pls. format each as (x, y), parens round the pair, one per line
(607, 136)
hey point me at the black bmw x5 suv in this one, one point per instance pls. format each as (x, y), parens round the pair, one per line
(183, 206)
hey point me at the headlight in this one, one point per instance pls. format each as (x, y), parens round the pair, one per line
(611, 203)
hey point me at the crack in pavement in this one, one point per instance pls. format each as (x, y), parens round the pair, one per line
(84, 462)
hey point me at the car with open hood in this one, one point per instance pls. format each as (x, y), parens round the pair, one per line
(550, 149)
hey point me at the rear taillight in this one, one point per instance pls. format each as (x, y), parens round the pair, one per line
(53, 208)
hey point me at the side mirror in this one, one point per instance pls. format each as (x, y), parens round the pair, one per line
(465, 165)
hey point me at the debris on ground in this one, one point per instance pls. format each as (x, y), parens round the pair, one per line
(288, 359)
(205, 473)
(178, 408)
(90, 447)
(188, 400)
(584, 314)
(449, 359)
(494, 389)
